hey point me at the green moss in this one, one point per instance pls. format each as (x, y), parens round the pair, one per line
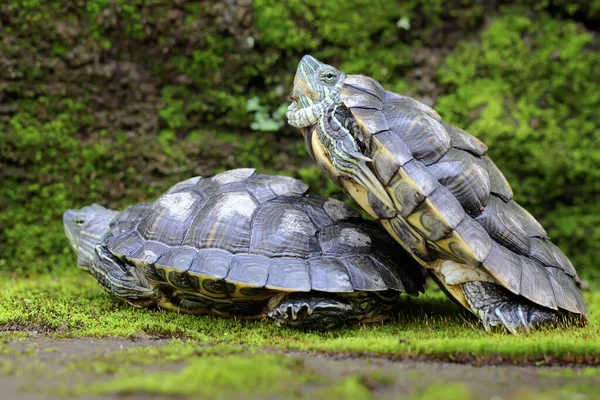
(223, 376)
(431, 326)
(448, 390)
(570, 373)
(349, 388)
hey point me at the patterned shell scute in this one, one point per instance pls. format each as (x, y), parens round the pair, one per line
(466, 177)
(536, 284)
(214, 263)
(166, 222)
(344, 238)
(286, 186)
(425, 136)
(406, 102)
(224, 222)
(177, 258)
(128, 219)
(364, 273)
(504, 226)
(550, 255)
(249, 269)
(289, 274)
(280, 229)
(338, 210)
(465, 141)
(388, 153)
(362, 92)
(498, 183)
(329, 274)
(234, 175)
(185, 185)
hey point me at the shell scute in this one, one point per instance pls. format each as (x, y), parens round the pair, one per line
(184, 186)
(145, 257)
(249, 269)
(224, 223)
(465, 141)
(234, 175)
(371, 122)
(388, 153)
(498, 183)
(410, 186)
(504, 226)
(363, 90)
(409, 238)
(280, 229)
(344, 238)
(364, 273)
(468, 243)
(535, 284)
(213, 263)
(438, 215)
(466, 177)
(329, 274)
(425, 136)
(125, 244)
(289, 274)
(505, 266)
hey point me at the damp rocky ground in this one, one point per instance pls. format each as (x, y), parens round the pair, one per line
(63, 337)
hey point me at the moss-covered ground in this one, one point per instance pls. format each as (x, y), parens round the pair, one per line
(64, 336)
(430, 327)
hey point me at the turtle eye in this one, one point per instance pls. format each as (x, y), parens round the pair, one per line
(328, 76)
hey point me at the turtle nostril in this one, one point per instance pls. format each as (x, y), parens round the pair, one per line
(292, 97)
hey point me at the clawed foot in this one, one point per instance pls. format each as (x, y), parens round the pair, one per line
(310, 313)
(498, 307)
(515, 317)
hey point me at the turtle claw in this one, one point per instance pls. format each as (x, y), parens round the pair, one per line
(523, 320)
(507, 324)
(497, 307)
(516, 317)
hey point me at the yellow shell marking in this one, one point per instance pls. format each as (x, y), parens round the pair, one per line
(456, 247)
(419, 242)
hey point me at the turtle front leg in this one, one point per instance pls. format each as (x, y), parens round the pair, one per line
(306, 311)
(495, 305)
(122, 280)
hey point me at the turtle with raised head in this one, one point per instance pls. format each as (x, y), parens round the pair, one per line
(246, 245)
(437, 192)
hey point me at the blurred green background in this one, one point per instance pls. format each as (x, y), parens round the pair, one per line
(112, 101)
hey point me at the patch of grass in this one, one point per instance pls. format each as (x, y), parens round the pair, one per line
(429, 327)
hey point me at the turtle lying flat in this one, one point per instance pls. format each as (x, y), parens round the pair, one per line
(437, 192)
(247, 245)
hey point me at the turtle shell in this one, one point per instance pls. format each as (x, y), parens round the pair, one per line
(241, 234)
(451, 200)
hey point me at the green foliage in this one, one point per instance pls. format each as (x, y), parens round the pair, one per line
(526, 90)
(114, 101)
(263, 119)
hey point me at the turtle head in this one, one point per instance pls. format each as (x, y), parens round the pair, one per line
(317, 86)
(85, 228)
(338, 145)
